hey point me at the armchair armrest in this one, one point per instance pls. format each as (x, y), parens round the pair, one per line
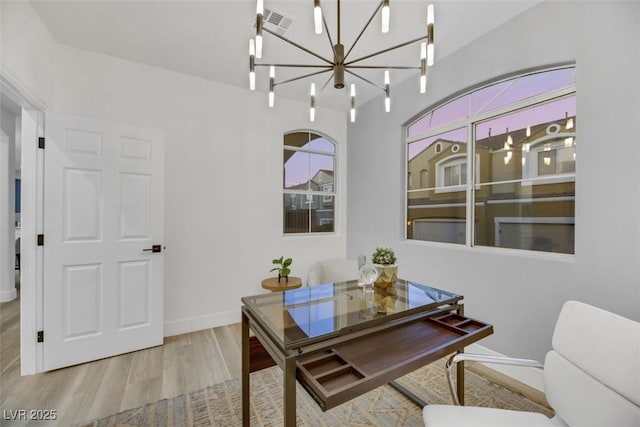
(500, 360)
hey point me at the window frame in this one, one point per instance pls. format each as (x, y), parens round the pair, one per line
(473, 171)
(325, 196)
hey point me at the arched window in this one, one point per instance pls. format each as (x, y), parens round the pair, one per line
(523, 154)
(309, 183)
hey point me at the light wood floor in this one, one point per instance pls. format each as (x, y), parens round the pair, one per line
(84, 392)
(80, 393)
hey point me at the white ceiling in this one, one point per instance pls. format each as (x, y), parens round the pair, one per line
(209, 39)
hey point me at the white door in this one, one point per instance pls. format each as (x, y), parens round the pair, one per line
(103, 208)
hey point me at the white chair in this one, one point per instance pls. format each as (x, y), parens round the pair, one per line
(332, 271)
(591, 376)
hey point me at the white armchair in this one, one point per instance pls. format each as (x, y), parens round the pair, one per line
(591, 376)
(332, 270)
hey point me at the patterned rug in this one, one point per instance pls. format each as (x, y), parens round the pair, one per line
(220, 404)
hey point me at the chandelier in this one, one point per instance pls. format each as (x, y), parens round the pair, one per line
(340, 63)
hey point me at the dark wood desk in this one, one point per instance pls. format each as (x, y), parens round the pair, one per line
(341, 340)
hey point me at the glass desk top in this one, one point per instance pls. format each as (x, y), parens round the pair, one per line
(302, 316)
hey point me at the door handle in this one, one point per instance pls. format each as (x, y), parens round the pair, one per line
(154, 249)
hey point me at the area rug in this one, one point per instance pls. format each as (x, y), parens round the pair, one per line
(220, 404)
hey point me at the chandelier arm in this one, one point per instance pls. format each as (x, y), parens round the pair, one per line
(380, 52)
(364, 29)
(326, 28)
(297, 45)
(294, 65)
(366, 80)
(338, 2)
(301, 77)
(326, 83)
(385, 67)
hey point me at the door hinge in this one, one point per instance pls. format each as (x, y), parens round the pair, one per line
(40, 239)
(40, 336)
(41, 142)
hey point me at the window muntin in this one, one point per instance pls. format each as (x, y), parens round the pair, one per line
(308, 183)
(492, 97)
(524, 167)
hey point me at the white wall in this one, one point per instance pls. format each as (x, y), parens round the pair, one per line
(7, 205)
(522, 294)
(223, 169)
(27, 50)
(223, 177)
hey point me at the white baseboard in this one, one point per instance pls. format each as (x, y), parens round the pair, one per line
(8, 295)
(526, 375)
(192, 324)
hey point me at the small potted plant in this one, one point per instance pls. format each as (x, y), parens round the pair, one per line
(384, 260)
(282, 265)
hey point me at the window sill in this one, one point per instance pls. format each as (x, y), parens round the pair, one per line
(487, 250)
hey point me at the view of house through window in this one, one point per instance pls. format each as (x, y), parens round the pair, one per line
(519, 136)
(309, 183)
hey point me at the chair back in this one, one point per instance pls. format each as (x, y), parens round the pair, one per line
(592, 375)
(332, 271)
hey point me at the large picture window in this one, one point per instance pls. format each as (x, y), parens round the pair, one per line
(309, 183)
(497, 166)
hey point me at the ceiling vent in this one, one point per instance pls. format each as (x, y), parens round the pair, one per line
(276, 21)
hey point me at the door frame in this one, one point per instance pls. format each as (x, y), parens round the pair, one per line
(32, 216)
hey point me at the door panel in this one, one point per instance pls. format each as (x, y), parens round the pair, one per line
(104, 187)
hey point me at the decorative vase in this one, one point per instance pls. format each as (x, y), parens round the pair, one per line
(387, 275)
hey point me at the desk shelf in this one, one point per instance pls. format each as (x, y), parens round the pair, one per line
(350, 369)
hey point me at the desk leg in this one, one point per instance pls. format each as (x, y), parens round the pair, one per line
(246, 413)
(289, 386)
(460, 366)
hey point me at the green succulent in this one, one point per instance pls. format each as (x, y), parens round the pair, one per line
(283, 269)
(383, 256)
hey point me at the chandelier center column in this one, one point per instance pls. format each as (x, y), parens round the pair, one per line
(338, 67)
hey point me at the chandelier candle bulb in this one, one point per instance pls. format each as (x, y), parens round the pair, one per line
(272, 77)
(430, 23)
(569, 123)
(317, 16)
(259, 36)
(528, 131)
(387, 100)
(353, 103)
(312, 109)
(260, 7)
(423, 67)
(252, 65)
(385, 16)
